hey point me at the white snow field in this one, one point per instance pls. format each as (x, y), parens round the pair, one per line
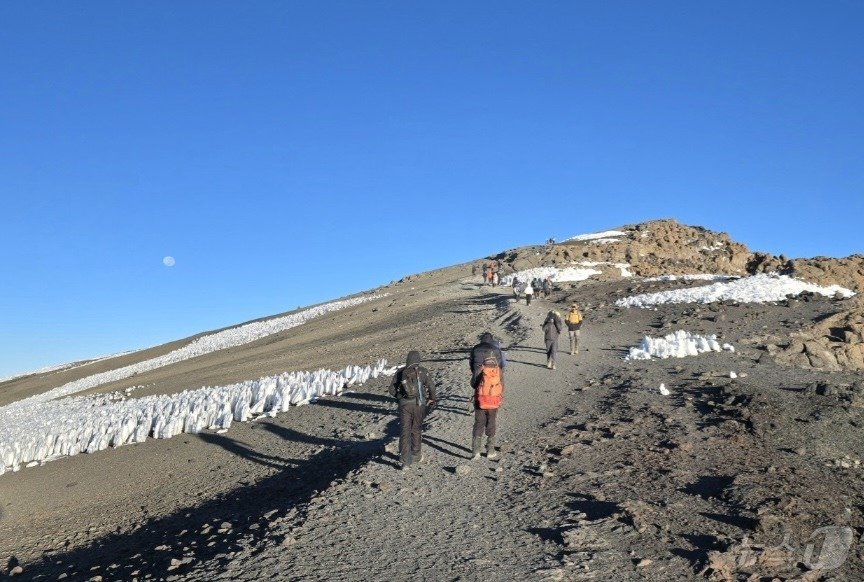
(762, 288)
(576, 272)
(556, 274)
(605, 236)
(34, 432)
(220, 340)
(693, 277)
(679, 344)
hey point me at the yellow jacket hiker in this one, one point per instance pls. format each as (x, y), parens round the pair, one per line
(574, 325)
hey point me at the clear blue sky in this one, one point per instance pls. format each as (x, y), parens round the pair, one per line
(287, 153)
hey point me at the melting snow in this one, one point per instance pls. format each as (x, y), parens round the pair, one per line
(34, 432)
(676, 345)
(760, 288)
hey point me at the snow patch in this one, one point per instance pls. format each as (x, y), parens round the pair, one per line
(220, 340)
(762, 288)
(35, 432)
(679, 344)
(557, 275)
(612, 235)
(693, 277)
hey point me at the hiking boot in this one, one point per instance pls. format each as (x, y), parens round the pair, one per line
(553, 365)
(420, 458)
(491, 453)
(475, 448)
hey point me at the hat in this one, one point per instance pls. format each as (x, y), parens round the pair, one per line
(575, 305)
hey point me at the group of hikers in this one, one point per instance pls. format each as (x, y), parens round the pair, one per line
(537, 285)
(415, 391)
(491, 276)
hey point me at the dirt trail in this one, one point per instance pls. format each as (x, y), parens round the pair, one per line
(381, 523)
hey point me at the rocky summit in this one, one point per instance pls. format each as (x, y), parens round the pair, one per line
(729, 449)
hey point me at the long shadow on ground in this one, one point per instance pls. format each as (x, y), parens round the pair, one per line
(249, 509)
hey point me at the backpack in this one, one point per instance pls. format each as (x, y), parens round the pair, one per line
(411, 383)
(490, 388)
(574, 317)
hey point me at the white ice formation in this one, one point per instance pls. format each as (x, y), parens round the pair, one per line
(213, 342)
(664, 391)
(676, 345)
(35, 432)
(762, 288)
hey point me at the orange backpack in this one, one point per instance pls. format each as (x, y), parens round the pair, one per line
(490, 389)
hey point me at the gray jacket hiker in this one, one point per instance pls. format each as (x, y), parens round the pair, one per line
(414, 387)
(552, 327)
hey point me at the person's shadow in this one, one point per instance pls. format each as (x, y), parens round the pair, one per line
(249, 507)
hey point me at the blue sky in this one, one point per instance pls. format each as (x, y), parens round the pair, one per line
(287, 153)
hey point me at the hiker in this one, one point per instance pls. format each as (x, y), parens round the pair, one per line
(574, 325)
(551, 330)
(495, 278)
(547, 287)
(487, 379)
(413, 387)
(485, 272)
(529, 293)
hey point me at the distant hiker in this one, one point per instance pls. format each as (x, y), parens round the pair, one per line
(529, 293)
(413, 387)
(516, 285)
(547, 287)
(552, 327)
(487, 379)
(474, 270)
(495, 279)
(574, 325)
(485, 273)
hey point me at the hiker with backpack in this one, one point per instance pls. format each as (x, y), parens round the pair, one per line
(547, 287)
(414, 389)
(529, 293)
(574, 325)
(487, 379)
(552, 327)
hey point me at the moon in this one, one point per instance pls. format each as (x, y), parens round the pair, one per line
(168, 261)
